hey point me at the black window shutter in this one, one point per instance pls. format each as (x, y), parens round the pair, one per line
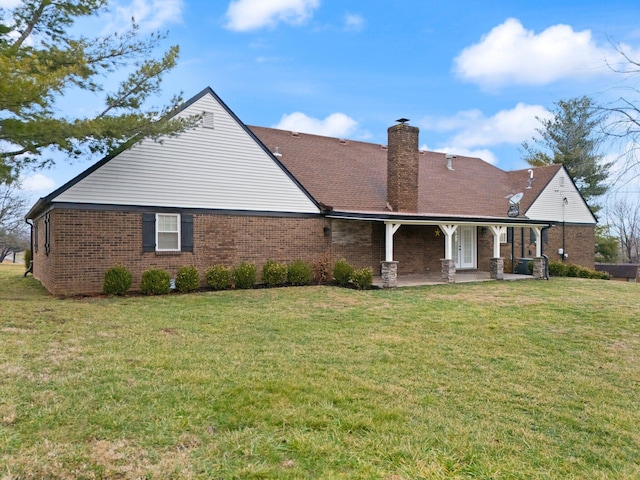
(148, 232)
(532, 236)
(509, 234)
(186, 230)
(545, 236)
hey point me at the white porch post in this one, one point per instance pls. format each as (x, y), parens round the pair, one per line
(448, 230)
(538, 232)
(496, 231)
(390, 229)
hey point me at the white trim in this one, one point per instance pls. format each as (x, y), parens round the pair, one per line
(177, 231)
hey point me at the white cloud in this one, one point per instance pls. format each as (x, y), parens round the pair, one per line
(510, 54)
(148, 14)
(472, 129)
(471, 132)
(353, 22)
(245, 15)
(335, 125)
(37, 183)
(9, 3)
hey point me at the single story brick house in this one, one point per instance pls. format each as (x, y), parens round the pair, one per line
(225, 193)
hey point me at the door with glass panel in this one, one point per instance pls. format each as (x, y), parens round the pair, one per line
(465, 248)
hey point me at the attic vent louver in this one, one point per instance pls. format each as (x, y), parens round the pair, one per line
(295, 134)
(207, 120)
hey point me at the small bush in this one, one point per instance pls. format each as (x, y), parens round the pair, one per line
(572, 270)
(362, 278)
(117, 280)
(27, 258)
(244, 275)
(274, 273)
(219, 277)
(299, 273)
(557, 269)
(342, 272)
(322, 270)
(187, 279)
(155, 281)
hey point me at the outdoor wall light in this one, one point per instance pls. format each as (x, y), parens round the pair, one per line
(483, 230)
(326, 231)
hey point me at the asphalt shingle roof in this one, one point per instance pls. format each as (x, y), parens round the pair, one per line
(351, 176)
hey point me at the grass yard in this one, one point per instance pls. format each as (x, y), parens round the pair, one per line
(500, 380)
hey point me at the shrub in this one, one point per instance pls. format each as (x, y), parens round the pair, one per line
(27, 258)
(155, 281)
(274, 273)
(342, 272)
(362, 278)
(187, 279)
(572, 270)
(299, 273)
(322, 269)
(557, 269)
(244, 275)
(117, 280)
(219, 277)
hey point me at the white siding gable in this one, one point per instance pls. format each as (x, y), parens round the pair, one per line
(217, 165)
(549, 206)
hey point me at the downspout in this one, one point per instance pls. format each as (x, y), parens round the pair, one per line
(30, 269)
(546, 257)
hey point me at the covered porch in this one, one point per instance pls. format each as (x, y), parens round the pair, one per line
(459, 257)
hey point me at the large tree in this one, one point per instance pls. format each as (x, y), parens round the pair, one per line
(624, 219)
(42, 60)
(14, 236)
(572, 137)
(623, 117)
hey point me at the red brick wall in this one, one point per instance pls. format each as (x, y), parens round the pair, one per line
(84, 244)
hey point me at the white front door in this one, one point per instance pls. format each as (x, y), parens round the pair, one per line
(465, 248)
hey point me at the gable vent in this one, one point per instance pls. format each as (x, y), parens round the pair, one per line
(207, 120)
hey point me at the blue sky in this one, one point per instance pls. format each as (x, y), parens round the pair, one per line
(472, 76)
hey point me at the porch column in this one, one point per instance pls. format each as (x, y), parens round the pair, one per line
(389, 229)
(389, 268)
(448, 263)
(496, 231)
(448, 230)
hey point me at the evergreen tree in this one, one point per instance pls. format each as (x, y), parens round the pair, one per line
(41, 62)
(572, 138)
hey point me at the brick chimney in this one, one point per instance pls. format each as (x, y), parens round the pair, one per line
(402, 167)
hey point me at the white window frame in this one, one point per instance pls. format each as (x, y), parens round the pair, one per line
(178, 232)
(503, 236)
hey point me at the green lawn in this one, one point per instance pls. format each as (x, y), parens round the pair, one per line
(500, 380)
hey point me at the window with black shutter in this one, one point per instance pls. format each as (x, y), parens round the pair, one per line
(160, 232)
(148, 232)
